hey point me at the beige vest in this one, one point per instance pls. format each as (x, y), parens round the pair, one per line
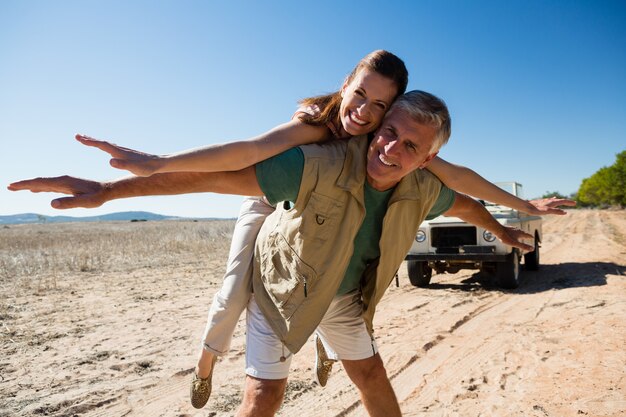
(302, 253)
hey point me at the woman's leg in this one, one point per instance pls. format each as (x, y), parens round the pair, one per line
(232, 298)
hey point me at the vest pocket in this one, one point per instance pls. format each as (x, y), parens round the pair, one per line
(287, 279)
(320, 218)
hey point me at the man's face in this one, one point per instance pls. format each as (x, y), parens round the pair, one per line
(400, 146)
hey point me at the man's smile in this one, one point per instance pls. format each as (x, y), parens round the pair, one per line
(385, 160)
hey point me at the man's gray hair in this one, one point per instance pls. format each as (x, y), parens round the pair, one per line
(426, 108)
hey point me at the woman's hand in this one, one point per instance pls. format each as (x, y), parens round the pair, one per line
(543, 206)
(139, 163)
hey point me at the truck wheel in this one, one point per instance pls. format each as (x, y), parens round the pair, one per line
(507, 272)
(531, 259)
(419, 273)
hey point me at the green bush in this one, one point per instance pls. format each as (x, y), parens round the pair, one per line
(607, 187)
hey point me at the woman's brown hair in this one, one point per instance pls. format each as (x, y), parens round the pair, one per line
(382, 62)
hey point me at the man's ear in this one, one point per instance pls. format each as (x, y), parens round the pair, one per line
(428, 159)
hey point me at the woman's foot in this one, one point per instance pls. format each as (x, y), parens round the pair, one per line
(205, 364)
(201, 382)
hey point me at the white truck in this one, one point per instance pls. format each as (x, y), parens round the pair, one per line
(448, 244)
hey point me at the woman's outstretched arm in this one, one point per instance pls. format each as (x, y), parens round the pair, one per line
(231, 156)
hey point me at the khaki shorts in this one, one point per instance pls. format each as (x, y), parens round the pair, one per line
(342, 331)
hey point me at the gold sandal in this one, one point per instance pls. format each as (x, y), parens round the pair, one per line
(201, 388)
(323, 364)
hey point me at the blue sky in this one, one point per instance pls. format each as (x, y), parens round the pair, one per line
(536, 89)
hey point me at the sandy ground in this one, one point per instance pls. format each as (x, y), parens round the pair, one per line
(124, 344)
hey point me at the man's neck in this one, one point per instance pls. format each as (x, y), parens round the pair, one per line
(379, 187)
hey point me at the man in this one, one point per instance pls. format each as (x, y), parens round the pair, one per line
(324, 260)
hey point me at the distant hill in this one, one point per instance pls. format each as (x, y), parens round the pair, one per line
(121, 216)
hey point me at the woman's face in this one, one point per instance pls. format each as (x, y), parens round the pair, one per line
(365, 100)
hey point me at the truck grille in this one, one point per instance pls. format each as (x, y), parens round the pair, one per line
(452, 237)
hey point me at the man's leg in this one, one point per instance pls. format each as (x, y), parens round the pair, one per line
(370, 377)
(267, 366)
(261, 397)
(345, 337)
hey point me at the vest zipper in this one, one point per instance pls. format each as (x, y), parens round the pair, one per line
(305, 290)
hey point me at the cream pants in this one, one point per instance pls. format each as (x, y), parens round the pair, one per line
(232, 298)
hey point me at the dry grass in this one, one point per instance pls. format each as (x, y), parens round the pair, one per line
(92, 295)
(36, 256)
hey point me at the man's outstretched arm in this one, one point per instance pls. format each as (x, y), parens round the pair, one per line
(471, 211)
(89, 194)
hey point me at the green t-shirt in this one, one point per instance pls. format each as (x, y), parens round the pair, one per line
(366, 247)
(280, 177)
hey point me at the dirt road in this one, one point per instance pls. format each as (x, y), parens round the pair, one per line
(554, 347)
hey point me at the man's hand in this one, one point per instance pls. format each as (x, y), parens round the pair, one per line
(86, 193)
(515, 237)
(471, 211)
(89, 194)
(139, 163)
(543, 206)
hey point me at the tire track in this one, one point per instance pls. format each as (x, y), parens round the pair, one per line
(157, 399)
(453, 356)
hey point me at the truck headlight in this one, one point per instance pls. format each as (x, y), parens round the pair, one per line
(488, 236)
(420, 237)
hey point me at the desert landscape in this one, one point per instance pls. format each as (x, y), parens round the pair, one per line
(105, 319)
